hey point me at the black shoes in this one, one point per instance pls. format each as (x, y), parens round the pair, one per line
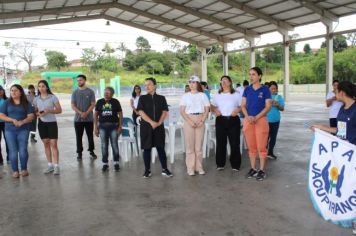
(117, 167)
(272, 156)
(261, 175)
(105, 168)
(167, 173)
(79, 157)
(147, 174)
(93, 156)
(251, 174)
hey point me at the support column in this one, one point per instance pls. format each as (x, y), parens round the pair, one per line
(285, 65)
(329, 56)
(225, 60)
(204, 65)
(252, 52)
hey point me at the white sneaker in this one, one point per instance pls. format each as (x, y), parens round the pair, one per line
(49, 169)
(201, 172)
(56, 170)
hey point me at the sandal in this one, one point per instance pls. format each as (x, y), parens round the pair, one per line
(16, 174)
(24, 173)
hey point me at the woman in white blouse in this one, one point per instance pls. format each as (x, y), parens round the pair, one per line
(194, 108)
(226, 107)
(136, 93)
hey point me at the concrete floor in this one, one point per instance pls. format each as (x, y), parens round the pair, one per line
(84, 201)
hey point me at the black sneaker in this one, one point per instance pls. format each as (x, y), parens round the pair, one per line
(105, 168)
(79, 157)
(167, 173)
(147, 174)
(93, 156)
(117, 167)
(272, 156)
(261, 175)
(220, 168)
(252, 173)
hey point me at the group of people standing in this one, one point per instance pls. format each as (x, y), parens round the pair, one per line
(104, 118)
(261, 113)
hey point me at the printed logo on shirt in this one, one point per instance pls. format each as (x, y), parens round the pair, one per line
(107, 110)
(260, 95)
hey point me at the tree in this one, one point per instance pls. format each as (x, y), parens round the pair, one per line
(56, 59)
(351, 37)
(339, 43)
(89, 57)
(142, 44)
(108, 49)
(172, 43)
(307, 49)
(122, 48)
(154, 66)
(23, 51)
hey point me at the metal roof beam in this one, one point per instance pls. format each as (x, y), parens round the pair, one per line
(55, 11)
(197, 13)
(19, 1)
(48, 22)
(61, 10)
(172, 22)
(322, 12)
(281, 24)
(156, 31)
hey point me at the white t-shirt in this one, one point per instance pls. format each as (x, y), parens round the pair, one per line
(335, 105)
(226, 102)
(135, 101)
(240, 90)
(194, 102)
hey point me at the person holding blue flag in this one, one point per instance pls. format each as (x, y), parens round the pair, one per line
(346, 118)
(274, 118)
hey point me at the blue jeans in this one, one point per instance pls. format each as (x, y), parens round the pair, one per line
(108, 131)
(17, 141)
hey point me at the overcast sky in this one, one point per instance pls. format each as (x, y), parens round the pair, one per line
(94, 33)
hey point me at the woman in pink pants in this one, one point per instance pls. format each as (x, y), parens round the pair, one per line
(194, 108)
(256, 102)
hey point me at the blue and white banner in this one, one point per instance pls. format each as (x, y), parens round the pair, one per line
(332, 178)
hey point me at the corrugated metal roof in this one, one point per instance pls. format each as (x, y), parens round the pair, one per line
(203, 22)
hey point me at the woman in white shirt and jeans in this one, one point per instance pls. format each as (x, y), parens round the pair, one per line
(333, 104)
(226, 105)
(194, 108)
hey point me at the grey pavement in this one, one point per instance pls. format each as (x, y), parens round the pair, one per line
(85, 201)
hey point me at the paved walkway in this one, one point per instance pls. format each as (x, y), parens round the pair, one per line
(84, 201)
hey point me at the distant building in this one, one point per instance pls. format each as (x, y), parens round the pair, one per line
(76, 63)
(315, 50)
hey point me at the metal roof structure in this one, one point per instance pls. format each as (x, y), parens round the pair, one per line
(200, 22)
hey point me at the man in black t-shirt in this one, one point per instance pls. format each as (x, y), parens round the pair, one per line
(108, 123)
(153, 109)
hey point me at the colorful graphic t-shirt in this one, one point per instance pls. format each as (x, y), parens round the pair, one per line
(108, 110)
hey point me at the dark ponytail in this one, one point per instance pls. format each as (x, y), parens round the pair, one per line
(348, 88)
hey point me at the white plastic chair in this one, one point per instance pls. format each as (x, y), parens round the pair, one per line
(173, 123)
(128, 141)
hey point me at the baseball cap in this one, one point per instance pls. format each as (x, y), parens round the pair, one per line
(194, 78)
